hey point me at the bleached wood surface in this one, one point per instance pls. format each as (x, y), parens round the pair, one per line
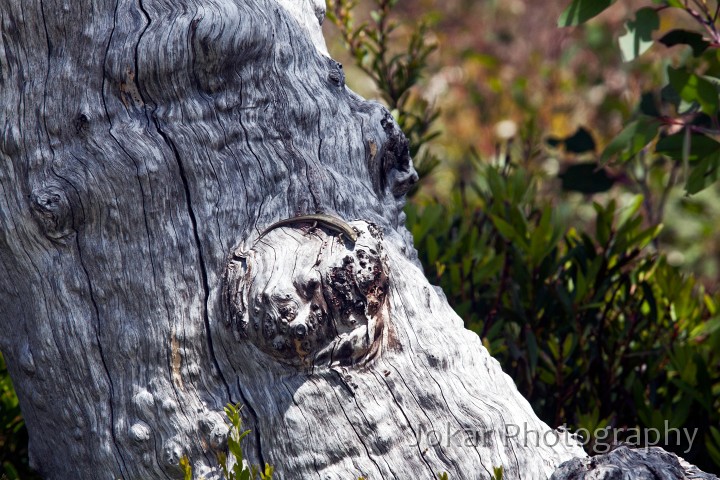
(625, 463)
(145, 142)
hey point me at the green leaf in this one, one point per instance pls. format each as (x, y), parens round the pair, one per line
(633, 138)
(642, 239)
(532, 347)
(495, 183)
(428, 218)
(603, 222)
(539, 238)
(186, 467)
(685, 37)
(267, 473)
(703, 174)
(695, 89)
(497, 473)
(701, 146)
(580, 11)
(432, 249)
(713, 450)
(505, 229)
(235, 449)
(568, 344)
(650, 300)
(706, 328)
(669, 96)
(715, 434)
(222, 461)
(638, 38)
(629, 212)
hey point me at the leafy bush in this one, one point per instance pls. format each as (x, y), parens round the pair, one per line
(684, 112)
(596, 331)
(13, 434)
(233, 463)
(374, 48)
(673, 135)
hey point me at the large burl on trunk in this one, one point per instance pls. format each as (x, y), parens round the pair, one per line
(146, 147)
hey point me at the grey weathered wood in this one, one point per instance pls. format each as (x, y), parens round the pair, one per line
(144, 143)
(652, 463)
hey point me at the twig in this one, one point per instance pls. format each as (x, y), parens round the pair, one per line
(707, 23)
(666, 191)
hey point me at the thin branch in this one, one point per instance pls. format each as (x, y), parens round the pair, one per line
(703, 7)
(666, 191)
(707, 23)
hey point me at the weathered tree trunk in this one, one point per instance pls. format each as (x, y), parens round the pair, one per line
(146, 147)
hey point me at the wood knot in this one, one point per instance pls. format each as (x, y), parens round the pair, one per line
(52, 212)
(81, 124)
(396, 172)
(336, 74)
(319, 303)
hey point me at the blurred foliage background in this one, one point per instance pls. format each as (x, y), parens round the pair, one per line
(13, 434)
(503, 74)
(568, 202)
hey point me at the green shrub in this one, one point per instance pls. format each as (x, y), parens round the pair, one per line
(596, 330)
(233, 463)
(13, 434)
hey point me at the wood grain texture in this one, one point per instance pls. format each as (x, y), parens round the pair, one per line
(143, 142)
(652, 463)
